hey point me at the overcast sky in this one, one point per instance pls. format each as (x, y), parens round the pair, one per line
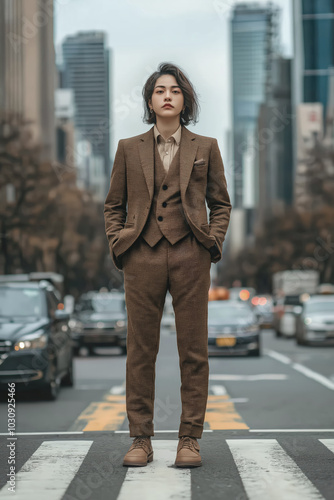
(194, 34)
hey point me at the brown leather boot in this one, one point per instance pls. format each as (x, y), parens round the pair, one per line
(188, 453)
(140, 452)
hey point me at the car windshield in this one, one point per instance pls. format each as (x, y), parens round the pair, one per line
(320, 307)
(102, 304)
(229, 312)
(20, 302)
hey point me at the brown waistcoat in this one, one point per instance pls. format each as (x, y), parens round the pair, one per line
(166, 216)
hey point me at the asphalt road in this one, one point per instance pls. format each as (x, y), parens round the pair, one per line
(268, 434)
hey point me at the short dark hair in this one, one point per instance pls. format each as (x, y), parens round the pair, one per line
(190, 97)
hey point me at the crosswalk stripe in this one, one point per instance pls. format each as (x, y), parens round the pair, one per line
(49, 471)
(158, 479)
(267, 471)
(329, 443)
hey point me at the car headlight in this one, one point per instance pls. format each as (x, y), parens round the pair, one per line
(32, 341)
(120, 324)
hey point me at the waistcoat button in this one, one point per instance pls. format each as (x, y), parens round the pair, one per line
(160, 218)
(164, 204)
(164, 186)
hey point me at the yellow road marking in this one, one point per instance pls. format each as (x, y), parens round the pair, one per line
(221, 414)
(107, 415)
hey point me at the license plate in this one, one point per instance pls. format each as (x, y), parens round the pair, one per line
(226, 341)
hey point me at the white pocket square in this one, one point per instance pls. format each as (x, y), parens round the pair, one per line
(199, 162)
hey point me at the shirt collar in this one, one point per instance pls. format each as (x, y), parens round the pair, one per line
(176, 135)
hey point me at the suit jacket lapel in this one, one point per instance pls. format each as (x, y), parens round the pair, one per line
(188, 149)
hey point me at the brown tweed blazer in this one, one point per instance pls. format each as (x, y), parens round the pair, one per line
(202, 177)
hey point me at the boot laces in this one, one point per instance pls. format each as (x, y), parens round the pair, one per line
(188, 442)
(141, 442)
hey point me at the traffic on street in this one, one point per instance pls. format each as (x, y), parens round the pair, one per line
(269, 422)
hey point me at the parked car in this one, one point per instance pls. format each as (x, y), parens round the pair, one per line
(315, 324)
(35, 338)
(233, 328)
(99, 320)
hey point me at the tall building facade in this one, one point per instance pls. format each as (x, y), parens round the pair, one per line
(27, 67)
(275, 153)
(254, 41)
(313, 74)
(86, 71)
(314, 50)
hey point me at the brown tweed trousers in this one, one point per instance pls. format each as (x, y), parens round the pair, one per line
(160, 238)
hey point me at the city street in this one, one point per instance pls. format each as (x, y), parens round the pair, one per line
(269, 430)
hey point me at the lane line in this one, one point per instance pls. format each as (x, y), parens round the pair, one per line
(267, 471)
(260, 376)
(155, 432)
(314, 375)
(118, 389)
(317, 377)
(329, 443)
(277, 355)
(291, 430)
(41, 433)
(218, 390)
(49, 471)
(158, 479)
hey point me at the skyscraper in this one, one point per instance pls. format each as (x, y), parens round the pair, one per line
(27, 67)
(254, 41)
(314, 50)
(86, 71)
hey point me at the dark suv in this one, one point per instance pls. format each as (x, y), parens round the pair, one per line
(36, 350)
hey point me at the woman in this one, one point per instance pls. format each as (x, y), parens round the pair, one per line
(160, 238)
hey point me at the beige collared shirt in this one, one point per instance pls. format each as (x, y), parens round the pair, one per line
(167, 149)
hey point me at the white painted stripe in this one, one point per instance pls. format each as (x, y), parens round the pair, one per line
(267, 471)
(158, 479)
(155, 432)
(49, 471)
(41, 433)
(291, 430)
(237, 400)
(118, 389)
(278, 356)
(218, 390)
(329, 443)
(314, 375)
(303, 369)
(260, 376)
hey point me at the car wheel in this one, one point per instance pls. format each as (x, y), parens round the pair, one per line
(68, 380)
(300, 341)
(278, 333)
(91, 351)
(124, 350)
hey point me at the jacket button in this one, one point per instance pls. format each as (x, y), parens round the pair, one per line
(160, 218)
(164, 186)
(164, 204)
